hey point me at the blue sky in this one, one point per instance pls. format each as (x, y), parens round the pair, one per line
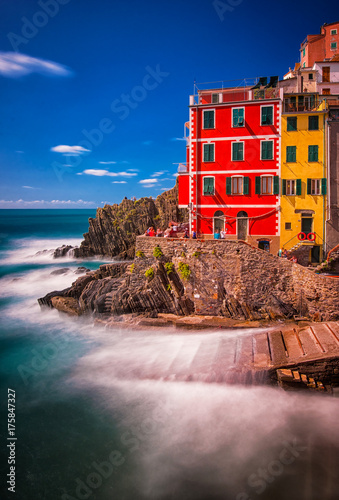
(94, 94)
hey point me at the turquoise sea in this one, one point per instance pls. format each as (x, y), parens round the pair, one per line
(88, 426)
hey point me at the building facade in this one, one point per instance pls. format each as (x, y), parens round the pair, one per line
(231, 179)
(320, 47)
(304, 177)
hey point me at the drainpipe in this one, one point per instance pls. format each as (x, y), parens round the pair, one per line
(328, 177)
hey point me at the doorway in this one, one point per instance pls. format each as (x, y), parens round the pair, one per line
(306, 225)
(315, 254)
(219, 222)
(242, 224)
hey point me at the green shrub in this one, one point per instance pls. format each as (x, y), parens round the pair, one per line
(139, 254)
(150, 273)
(169, 266)
(184, 271)
(169, 288)
(157, 253)
(196, 254)
(183, 254)
(131, 268)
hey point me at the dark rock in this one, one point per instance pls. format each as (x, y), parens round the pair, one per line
(62, 251)
(81, 270)
(63, 270)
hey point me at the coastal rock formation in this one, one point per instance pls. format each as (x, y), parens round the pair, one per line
(113, 231)
(210, 277)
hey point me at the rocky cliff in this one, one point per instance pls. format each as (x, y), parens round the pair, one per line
(113, 231)
(209, 278)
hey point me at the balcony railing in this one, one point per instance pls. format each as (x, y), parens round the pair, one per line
(300, 104)
(182, 168)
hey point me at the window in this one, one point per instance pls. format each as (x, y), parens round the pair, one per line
(208, 119)
(291, 187)
(237, 151)
(312, 153)
(313, 123)
(267, 150)
(333, 32)
(310, 76)
(238, 117)
(334, 46)
(326, 74)
(267, 115)
(326, 91)
(291, 154)
(304, 52)
(215, 98)
(208, 152)
(237, 185)
(291, 124)
(267, 184)
(208, 188)
(288, 226)
(316, 186)
(304, 65)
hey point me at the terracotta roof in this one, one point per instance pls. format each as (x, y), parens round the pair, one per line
(335, 57)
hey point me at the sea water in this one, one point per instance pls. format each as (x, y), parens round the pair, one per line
(94, 419)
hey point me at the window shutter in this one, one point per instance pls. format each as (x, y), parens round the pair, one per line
(235, 117)
(283, 186)
(258, 185)
(276, 184)
(263, 116)
(205, 120)
(291, 154)
(246, 185)
(298, 191)
(323, 186)
(312, 153)
(206, 152)
(269, 150)
(269, 117)
(315, 153)
(228, 185)
(241, 151)
(241, 116)
(208, 119)
(264, 150)
(309, 186)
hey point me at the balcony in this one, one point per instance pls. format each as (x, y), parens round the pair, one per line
(304, 104)
(182, 168)
(248, 89)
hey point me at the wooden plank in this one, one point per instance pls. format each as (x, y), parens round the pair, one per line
(309, 343)
(277, 348)
(293, 345)
(326, 339)
(245, 351)
(261, 353)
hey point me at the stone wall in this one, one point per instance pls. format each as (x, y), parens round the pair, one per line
(236, 280)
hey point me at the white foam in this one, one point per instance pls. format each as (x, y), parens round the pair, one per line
(37, 251)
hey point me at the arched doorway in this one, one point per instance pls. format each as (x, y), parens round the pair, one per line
(218, 223)
(242, 225)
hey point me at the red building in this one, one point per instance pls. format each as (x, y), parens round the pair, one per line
(321, 47)
(231, 178)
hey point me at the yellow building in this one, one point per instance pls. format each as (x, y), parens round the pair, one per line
(303, 174)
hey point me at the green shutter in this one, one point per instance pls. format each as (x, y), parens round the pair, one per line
(208, 119)
(276, 184)
(258, 185)
(237, 151)
(283, 186)
(235, 117)
(208, 185)
(267, 150)
(291, 154)
(309, 186)
(312, 153)
(313, 123)
(246, 185)
(324, 186)
(298, 190)
(267, 115)
(208, 152)
(291, 123)
(241, 117)
(228, 185)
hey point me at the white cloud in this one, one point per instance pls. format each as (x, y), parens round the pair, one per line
(70, 150)
(148, 181)
(158, 174)
(119, 182)
(178, 139)
(15, 65)
(175, 175)
(45, 204)
(107, 162)
(106, 173)
(28, 187)
(166, 189)
(133, 170)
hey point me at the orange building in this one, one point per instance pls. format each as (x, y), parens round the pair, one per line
(320, 47)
